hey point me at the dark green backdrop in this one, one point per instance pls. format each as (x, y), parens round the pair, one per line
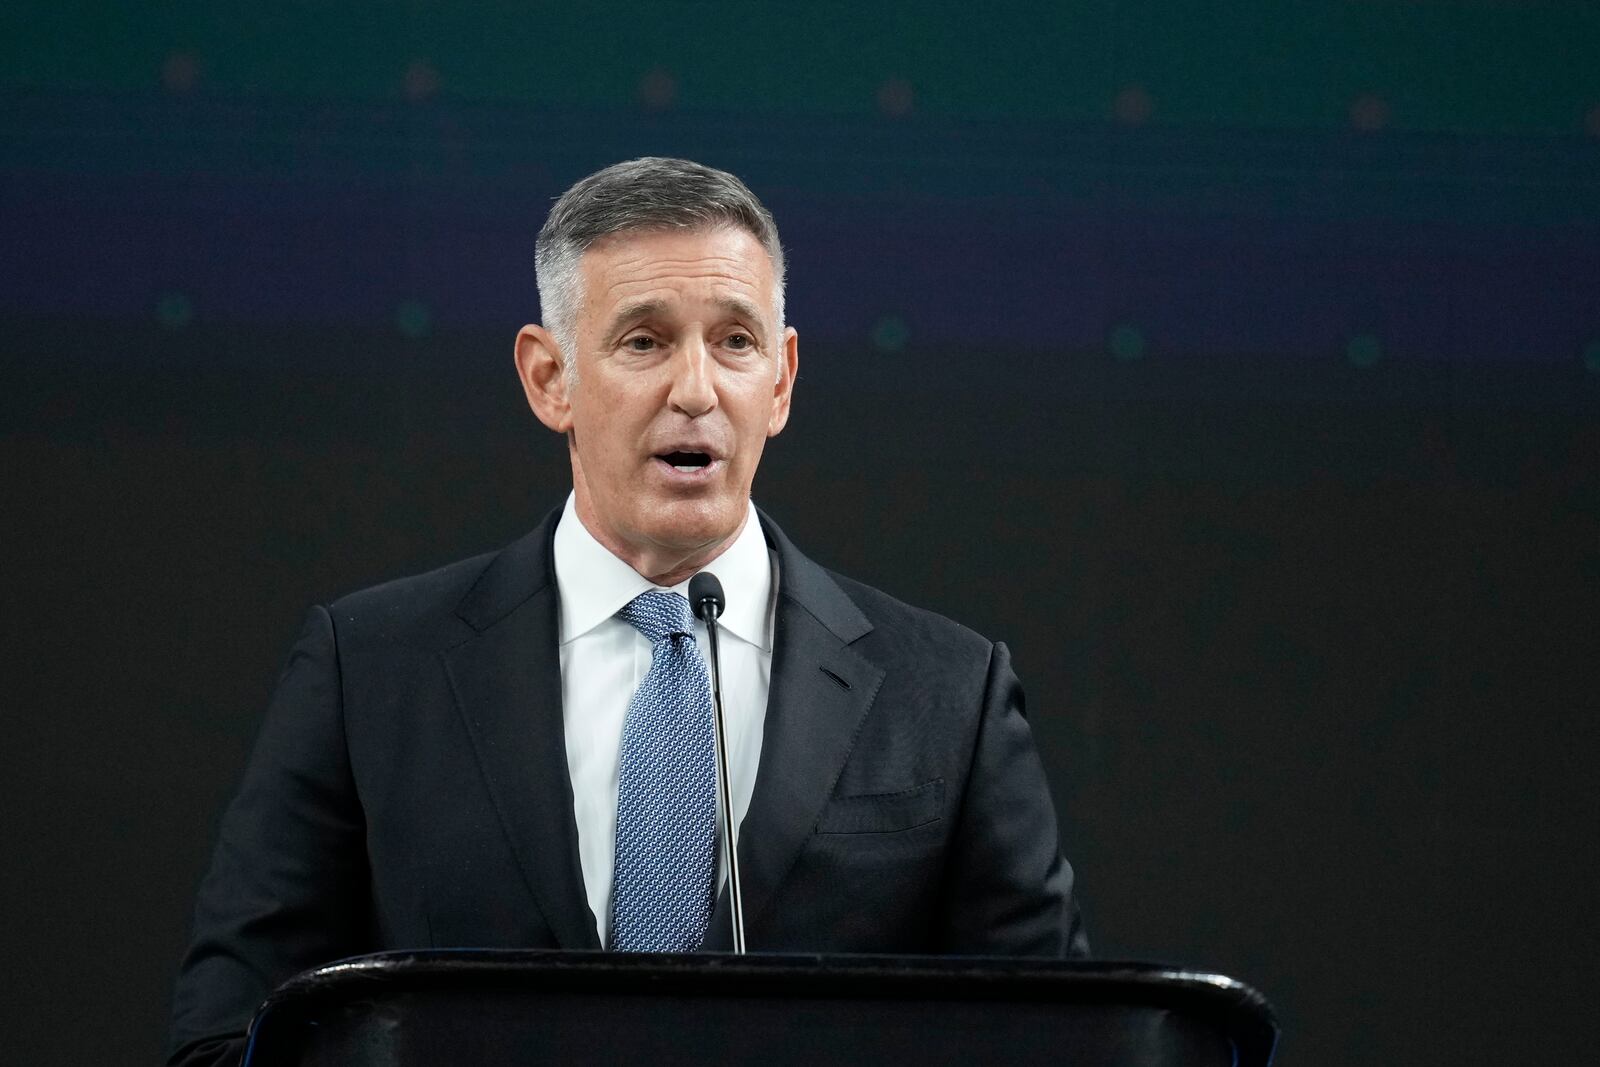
(1237, 363)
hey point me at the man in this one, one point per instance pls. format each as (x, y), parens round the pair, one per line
(514, 750)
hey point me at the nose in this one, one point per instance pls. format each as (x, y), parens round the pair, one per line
(693, 386)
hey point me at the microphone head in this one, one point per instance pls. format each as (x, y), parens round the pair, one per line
(705, 596)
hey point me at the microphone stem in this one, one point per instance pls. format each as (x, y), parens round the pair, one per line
(730, 837)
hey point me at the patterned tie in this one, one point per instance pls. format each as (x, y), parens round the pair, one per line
(667, 789)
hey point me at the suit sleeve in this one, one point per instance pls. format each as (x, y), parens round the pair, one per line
(1008, 890)
(288, 883)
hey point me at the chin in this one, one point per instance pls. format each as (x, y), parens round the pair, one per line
(692, 524)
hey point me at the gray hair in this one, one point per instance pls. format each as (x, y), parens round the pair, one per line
(651, 193)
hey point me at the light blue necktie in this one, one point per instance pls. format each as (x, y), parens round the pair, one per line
(667, 789)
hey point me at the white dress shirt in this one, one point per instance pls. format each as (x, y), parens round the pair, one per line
(603, 660)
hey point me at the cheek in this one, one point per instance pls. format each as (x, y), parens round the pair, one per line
(603, 430)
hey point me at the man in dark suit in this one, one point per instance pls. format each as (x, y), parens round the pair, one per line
(460, 758)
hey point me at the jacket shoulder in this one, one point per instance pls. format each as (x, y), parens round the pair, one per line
(411, 609)
(910, 630)
(446, 605)
(889, 630)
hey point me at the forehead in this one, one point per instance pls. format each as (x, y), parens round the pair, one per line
(675, 265)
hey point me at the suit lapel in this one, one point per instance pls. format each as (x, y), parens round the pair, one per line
(820, 691)
(507, 683)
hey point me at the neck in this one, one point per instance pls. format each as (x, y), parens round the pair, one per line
(686, 569)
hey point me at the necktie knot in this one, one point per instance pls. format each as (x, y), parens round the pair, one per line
(658, 615)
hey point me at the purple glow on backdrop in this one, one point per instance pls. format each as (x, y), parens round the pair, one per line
(267, 252)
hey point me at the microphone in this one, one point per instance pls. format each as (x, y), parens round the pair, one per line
(707, 601)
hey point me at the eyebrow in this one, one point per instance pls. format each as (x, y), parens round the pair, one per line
(744, 309)
(645, 309)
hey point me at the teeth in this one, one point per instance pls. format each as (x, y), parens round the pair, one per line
(684, 469)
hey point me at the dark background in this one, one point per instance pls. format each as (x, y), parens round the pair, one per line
(1237, 363)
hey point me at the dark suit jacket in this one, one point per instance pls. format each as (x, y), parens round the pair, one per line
(410, 789)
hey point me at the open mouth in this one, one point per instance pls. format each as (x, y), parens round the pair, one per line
(686, 462)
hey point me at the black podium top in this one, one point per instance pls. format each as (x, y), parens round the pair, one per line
(488, 1007)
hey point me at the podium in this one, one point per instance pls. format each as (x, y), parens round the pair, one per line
(486, 1007)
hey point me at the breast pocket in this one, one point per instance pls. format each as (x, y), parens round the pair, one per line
(884, 813)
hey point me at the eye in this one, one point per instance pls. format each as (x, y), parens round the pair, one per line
(640, 343)
(739, 341)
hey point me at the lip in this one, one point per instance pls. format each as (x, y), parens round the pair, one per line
(668, 445)
(688, 478)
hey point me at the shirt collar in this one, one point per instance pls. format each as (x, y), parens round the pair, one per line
(594, 585)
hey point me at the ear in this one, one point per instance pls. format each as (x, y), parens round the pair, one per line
(783, 389)
(540, 366)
